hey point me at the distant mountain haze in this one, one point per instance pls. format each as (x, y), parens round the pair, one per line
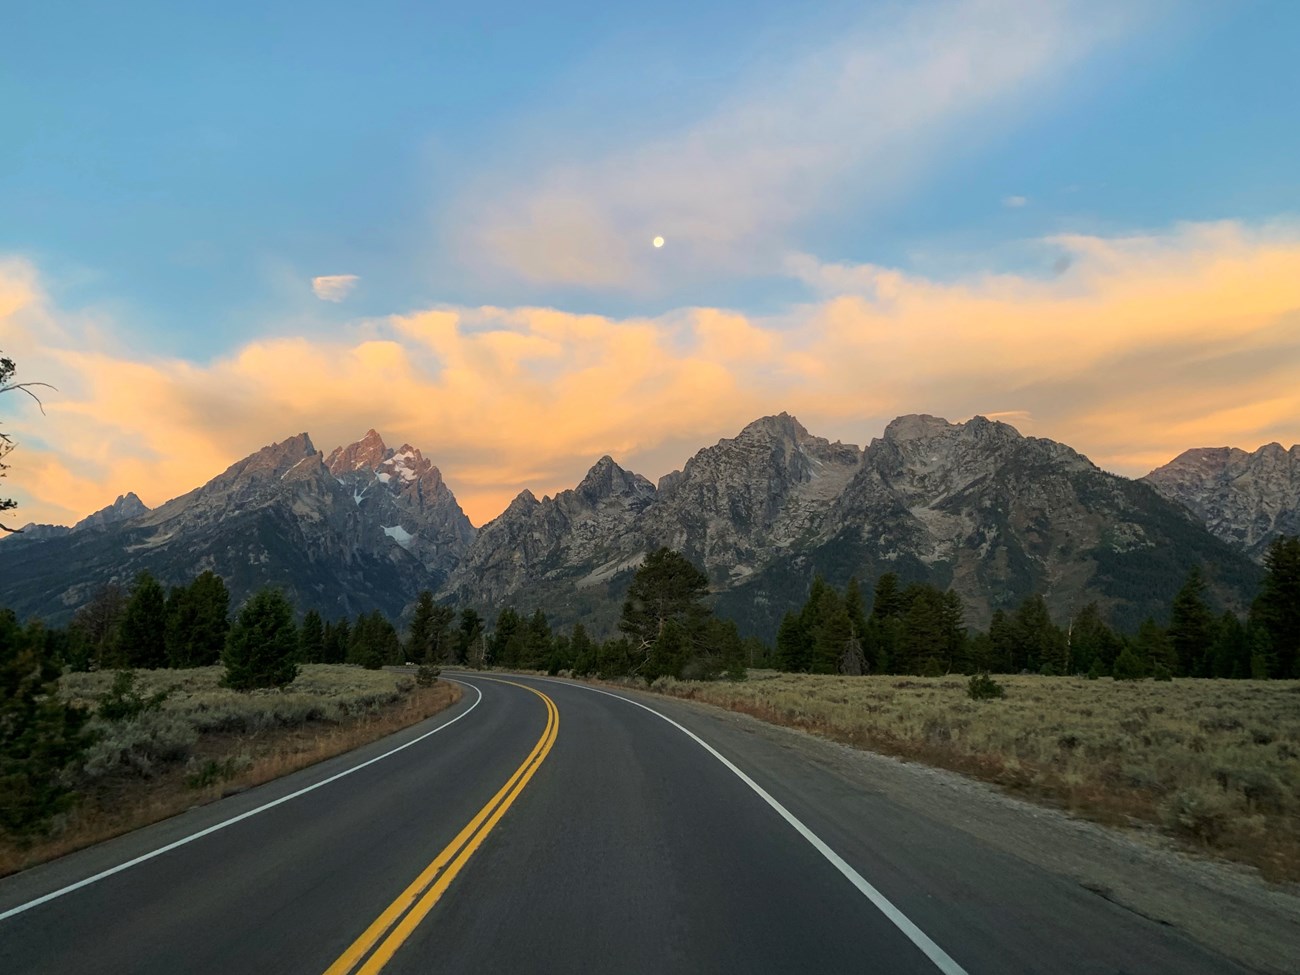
(973, 506)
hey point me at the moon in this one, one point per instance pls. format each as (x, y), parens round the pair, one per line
(658, 242)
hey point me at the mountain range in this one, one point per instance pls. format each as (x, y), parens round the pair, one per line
(974, 506)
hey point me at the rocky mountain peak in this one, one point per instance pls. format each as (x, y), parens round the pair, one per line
(126, 506)
(782, 426)
(1246, 499)
(365, 454)
(274, 460)
(607, 480)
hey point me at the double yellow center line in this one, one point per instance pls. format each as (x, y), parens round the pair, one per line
(404, 915)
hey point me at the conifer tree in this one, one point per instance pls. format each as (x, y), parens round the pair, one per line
(41, 737)
(1153, 648)
(422, 641)
(143, 634)
(888, 598)
(1230, 652)
(1276, 611)
(469, 639)
(793, 645)
(198, 619)
(583, 651)
(262, 648)
(311, 638)
(667, 587)
(831, 630)
(1191, 627)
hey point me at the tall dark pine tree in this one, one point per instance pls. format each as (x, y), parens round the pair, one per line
(1276, 610)
(198, 619)
(666, 587)
(143, 634)
(262, 648)
(469, 638)
(793, 645)
(311, 638)
(41, 736)
(1192, 627)
(421, 640)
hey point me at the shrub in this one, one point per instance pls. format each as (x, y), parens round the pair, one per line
(427, 675)
(1161, 672)
(1095, 671)
(138, 746)
(1128, 666)
(122, 701)
(1195, 813)
(982, 687)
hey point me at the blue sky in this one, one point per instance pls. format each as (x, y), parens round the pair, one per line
(192, 165)
(180, 173)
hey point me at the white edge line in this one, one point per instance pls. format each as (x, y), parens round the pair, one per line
(235, 819)
(942, 960)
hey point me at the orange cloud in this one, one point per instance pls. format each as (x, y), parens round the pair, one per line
(1145, 347)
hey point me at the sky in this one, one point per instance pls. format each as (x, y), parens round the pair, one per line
(221, 226)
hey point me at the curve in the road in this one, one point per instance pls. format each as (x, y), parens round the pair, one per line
(942, 960)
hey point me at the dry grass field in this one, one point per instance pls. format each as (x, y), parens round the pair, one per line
(1213, 762)
(204, 741)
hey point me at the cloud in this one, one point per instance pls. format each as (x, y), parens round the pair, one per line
(334, 287)
(845, 124)
(1143, 347)
(1015, 202)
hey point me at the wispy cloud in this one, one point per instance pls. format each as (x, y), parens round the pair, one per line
(1143, 347)
(1015, 202)
(847, 124)
(334, 287)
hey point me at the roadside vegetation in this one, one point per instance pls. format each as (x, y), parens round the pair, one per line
(157, 742)
(1215, 763)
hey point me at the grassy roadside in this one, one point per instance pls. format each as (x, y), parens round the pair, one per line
(204, 742)
(1213, 763)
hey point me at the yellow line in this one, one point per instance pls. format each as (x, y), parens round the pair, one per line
(466, 842)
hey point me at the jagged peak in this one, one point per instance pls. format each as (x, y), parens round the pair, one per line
(781, 425)
(918, 426)
(525, 500)
(607, 478)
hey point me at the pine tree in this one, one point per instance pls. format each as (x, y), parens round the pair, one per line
(887, 600)
(583, 651)
(100, 621)
(41, 737)
(1153, 648)
(143, 634)
(793, 645)
(1191, 627)
(1003, 642)
(311, 638)
(262, 647)
(538, 641)
(198, 619)
(422, 641)
(506, 645)
(667, 587)
(338, 638)
(1277, 608)
(831, 629)
(1230, 652)
(468, 633)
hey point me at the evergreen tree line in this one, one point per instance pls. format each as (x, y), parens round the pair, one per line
(919, 629)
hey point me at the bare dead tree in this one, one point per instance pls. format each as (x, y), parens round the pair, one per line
(7, 370)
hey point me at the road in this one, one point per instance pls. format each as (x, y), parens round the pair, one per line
(590, 834)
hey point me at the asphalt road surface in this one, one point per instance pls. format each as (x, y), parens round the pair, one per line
(568, 830)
